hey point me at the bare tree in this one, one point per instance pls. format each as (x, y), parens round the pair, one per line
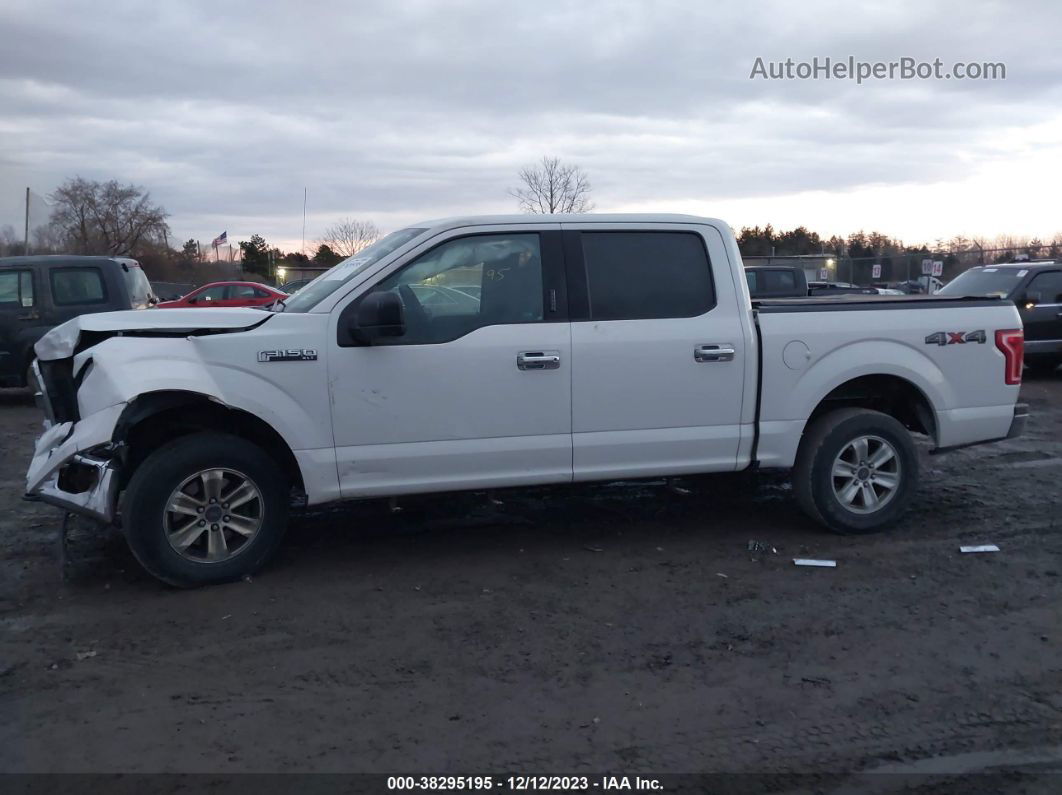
(346, 238)
(9, 241)
(106, 217)
(47, 239)
(553, 187)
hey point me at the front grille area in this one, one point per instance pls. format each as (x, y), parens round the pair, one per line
(58, 382)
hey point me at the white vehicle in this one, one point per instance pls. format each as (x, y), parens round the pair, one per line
(581, 348)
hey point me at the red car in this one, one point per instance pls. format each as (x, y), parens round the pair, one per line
(226, 294)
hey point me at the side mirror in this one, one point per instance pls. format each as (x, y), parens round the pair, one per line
(193, 300)
(378, 315)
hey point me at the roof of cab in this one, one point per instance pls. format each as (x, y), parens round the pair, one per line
(1026, 265)
(77, 259)
(570, 218)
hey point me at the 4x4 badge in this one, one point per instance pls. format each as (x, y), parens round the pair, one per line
(289, 355)
(956, 337)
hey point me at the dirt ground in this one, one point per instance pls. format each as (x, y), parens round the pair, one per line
(613, 628)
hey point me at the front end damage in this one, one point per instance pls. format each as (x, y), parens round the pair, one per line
(77, 461)
(74, 464)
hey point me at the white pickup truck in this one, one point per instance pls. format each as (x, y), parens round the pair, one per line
(479, 353)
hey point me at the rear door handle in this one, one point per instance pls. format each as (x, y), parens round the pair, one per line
(714, 353)
(538, 360)
(28, 316)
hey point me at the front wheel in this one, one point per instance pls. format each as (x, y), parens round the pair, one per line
(856, 470)
(206, 508)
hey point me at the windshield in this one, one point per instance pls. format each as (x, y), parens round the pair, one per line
(331, 280)
(985, 281)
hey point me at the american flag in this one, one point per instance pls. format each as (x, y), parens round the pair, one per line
(221, 239)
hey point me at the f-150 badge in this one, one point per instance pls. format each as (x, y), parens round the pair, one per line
(289, 355)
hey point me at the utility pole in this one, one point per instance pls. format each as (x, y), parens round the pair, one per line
(25, 239)
(304, 191)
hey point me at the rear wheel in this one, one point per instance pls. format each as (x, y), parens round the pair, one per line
(856, 470)
(206, 508)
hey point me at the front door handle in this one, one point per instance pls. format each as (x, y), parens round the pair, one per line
(538, 360)
(28, 316)
(714, 353)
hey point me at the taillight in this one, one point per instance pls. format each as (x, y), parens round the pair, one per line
(1012, 343)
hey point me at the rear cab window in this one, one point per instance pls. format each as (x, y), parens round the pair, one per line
(638, 275)
(77, 286)
(771, 282)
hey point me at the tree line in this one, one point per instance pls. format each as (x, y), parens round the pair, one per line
(767, 241)
(114, 219)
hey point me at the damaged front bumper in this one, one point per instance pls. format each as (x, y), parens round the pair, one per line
(85, 485)
(74, 466)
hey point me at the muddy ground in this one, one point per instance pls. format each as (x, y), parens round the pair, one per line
(612, 628)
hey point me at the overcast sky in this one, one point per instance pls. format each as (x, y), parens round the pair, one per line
(401, 110)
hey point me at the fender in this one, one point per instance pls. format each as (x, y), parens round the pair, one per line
(124, 368)
(862, 358)
(792, 395)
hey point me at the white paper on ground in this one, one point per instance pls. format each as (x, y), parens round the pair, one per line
(832, 564)
(980, 548)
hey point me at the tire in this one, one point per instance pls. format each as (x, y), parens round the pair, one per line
(832, 441)
(184, 473)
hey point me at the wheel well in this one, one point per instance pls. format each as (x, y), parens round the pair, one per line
(889, 394)
(160, 417)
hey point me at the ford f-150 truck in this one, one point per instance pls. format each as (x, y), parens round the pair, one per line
(479, 353)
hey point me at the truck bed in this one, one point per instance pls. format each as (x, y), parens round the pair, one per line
(945, 347)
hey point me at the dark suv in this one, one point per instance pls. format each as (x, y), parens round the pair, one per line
(38, 293)
(1036, 289)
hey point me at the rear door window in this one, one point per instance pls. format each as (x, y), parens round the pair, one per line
(78, 286)
(16, 289)
(641, 275)
(211, 295)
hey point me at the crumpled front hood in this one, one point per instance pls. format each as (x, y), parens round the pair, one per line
(62, 341)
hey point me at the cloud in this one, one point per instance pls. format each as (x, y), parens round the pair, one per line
(399, 111)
